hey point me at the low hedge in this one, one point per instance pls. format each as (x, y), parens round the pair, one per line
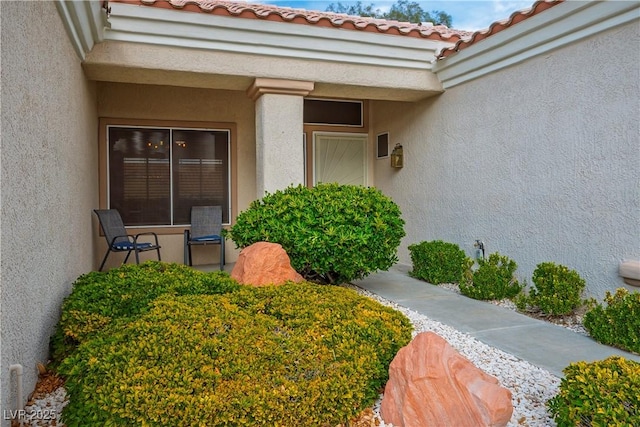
(438, 262)
(601, 393)
(99, 298)
(296, 354)
(618, 323)
(556, 290)
(493, 280)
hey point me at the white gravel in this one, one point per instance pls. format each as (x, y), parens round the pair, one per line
(47, 411)
(530, 386)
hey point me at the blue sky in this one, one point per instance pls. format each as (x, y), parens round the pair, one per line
(467, 15)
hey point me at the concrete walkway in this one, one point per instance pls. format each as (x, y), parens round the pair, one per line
(543, 344)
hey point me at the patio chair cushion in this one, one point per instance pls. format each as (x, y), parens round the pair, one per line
(125, 246)
(212, 238)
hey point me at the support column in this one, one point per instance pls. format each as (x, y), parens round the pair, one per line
(279, 151)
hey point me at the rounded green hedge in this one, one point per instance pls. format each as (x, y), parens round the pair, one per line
(438, 262)
(296, 354)
(556, 290)
(618, 322)
(332, 233)
(600, 393)
(493, 280)
(98, 299)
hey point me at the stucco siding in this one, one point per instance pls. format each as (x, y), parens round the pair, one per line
(539, 160)
(48, 183)
(172, 103)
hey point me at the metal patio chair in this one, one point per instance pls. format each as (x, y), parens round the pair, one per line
(206, 229)
(119, 241)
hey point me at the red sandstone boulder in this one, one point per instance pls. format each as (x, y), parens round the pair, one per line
(431, 384)
(263, 264)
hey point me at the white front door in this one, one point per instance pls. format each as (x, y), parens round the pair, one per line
(340, 158)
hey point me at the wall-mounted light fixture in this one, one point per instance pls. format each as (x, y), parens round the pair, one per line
(397, 157)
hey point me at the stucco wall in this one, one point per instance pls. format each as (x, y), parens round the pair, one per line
(133, 101)
(539, 160)
(48, 183)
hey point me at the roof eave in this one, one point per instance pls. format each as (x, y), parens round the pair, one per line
(84, 22)
(559, 26)
(159, 26)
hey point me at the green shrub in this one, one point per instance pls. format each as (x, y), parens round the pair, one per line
(293, 355)
(617, 324)
(99, 298)
(332, 233)
(493, 280)
(438, 262)
(556, 290)
(602, 393)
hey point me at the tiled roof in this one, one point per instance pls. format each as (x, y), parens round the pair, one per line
(496, 27)
(308, 17)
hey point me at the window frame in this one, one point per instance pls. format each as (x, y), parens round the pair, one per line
(360, 125)
(103, 160)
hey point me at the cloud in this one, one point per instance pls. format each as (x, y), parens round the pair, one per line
(507, 7)
(479, 14)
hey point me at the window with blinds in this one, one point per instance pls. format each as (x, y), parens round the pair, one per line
(157, 174)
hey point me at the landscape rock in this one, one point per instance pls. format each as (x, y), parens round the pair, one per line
(263, 264)
(431, 384)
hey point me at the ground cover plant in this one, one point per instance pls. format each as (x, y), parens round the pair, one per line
(494, 279)
(556, 290)
(601, 393)
(438, 262)
(617, 323)
(297, 354)
(332, 233)
(99, 299)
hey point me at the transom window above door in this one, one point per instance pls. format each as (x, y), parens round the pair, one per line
(333, 112)
(157, 173)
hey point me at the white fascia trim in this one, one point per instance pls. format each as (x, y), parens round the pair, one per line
(142, 24)
(554, 28)
(84, 21)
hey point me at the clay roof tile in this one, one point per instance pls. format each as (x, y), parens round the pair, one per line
(498, 26)
(303, 16)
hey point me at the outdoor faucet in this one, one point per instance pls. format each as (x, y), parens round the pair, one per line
(480, 245)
